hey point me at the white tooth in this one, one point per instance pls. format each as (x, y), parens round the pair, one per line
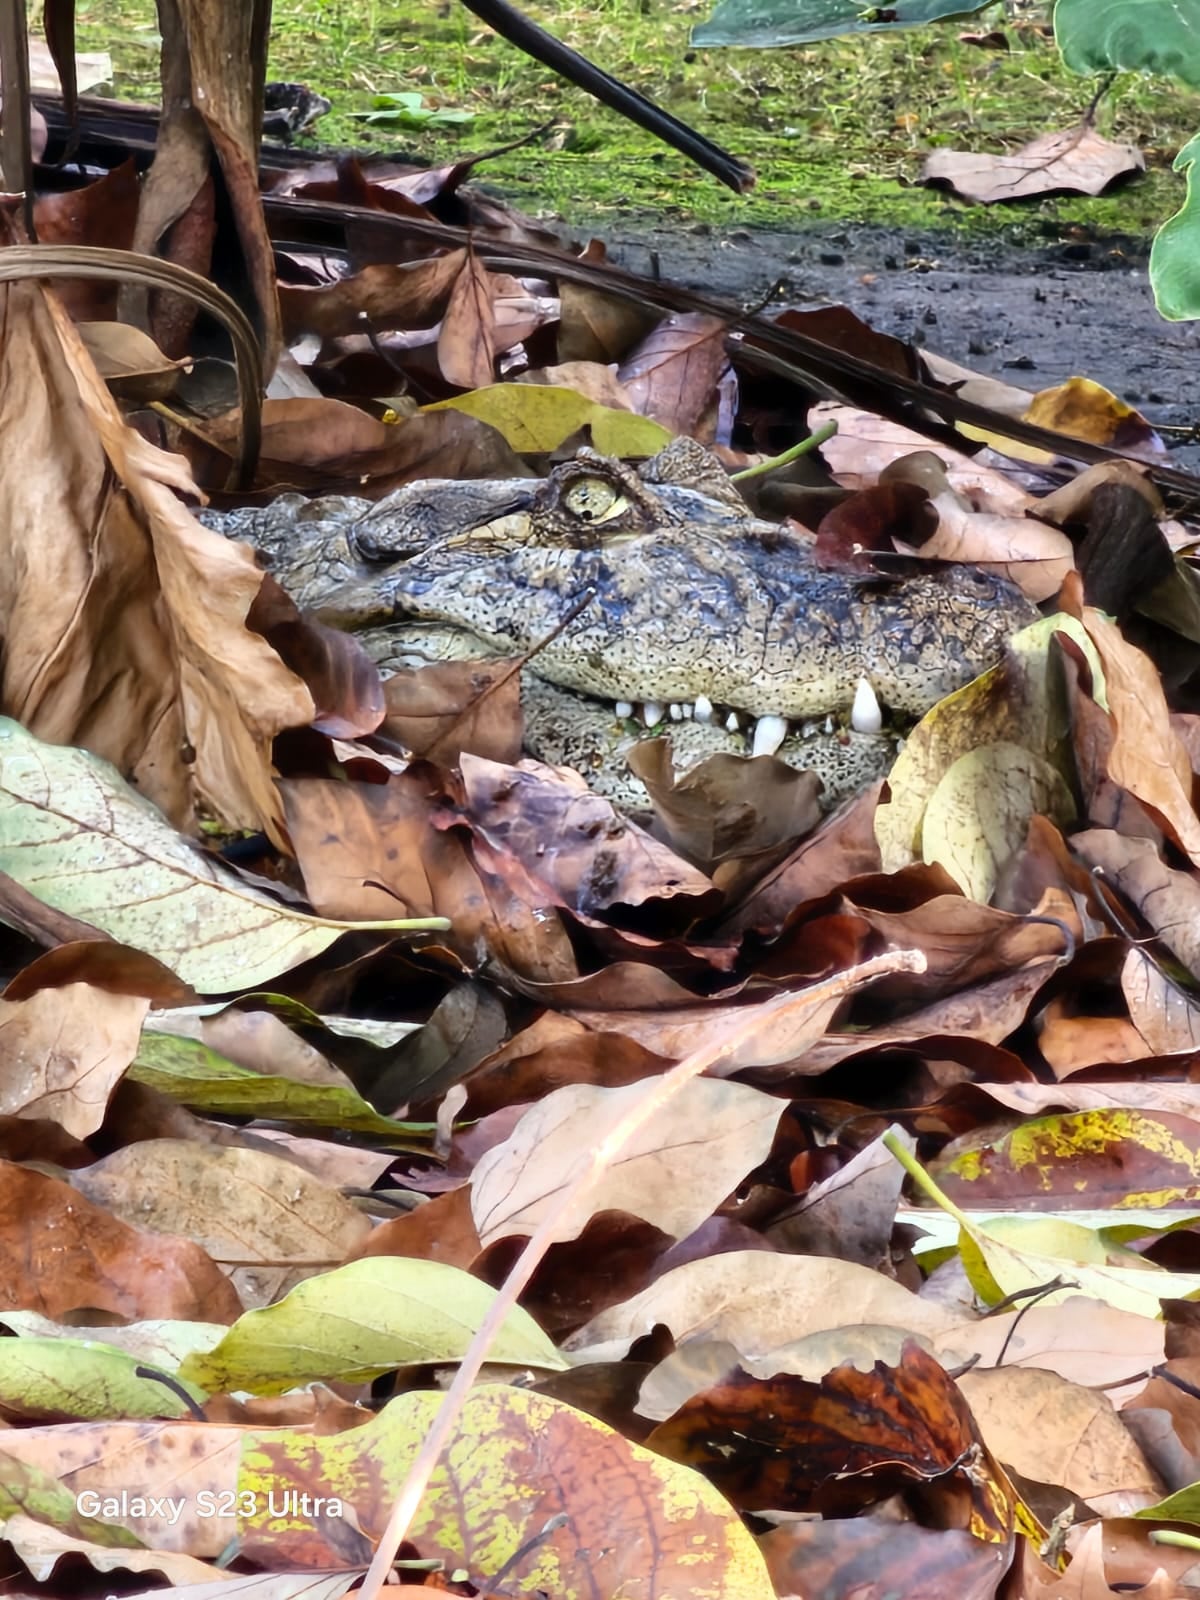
(828, 724)
(688, 710)
(732, 724)
(623, 709)
(865, 715)
(702, 711)
(652, 713)
(769, 734)
(676, 712)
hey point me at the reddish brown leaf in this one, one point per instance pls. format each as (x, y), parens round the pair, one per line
(467, 345)
(59, 1253)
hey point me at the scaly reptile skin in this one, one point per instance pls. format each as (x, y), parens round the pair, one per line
(690, 597)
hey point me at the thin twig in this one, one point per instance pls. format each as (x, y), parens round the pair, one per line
(726, 1046)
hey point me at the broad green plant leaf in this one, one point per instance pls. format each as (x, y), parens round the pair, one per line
(941, 1230)
(763, 24)
(536, 417)
(1175, 253)
(77, 1378)
(1130, 35)
(74, 834)
(634, 1523)
(196, 1076)
(362, 1320)
(1182, 1506)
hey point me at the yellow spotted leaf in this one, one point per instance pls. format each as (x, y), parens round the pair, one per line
(638, 1524)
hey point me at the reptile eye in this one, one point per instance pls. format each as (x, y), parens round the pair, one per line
(594, 500)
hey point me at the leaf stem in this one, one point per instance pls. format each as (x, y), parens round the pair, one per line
(922, 1179)
(792, 453)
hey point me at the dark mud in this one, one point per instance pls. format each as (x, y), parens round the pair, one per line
(1032, 317)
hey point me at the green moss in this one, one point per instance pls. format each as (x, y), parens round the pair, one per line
(837, 131)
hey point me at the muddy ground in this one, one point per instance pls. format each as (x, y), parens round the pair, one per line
(1030, 316)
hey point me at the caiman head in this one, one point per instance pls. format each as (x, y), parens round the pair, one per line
(644, 589)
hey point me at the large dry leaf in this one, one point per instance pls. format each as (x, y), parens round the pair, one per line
(673, 373)
(467, 344)
(387, 296)
(1077, 160)
(370, 849)
(1079, 1441)
(1165, 1015)
(673, 1176)
(576, 844)
(1147, 757)
(865, 445)
(64, 1051)
(758, 1302)
(244, 1206)
(60, 1254)
(1032, 554)
(122, 618)
(229, 104)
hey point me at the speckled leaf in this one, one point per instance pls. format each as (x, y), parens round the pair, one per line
(362, 1320)
(635, 1523)
(75, 1378)
(537, 417)
(1117, 1157)
(27, 1487)
(1012, 702)
(979, 812)
(188, 1071)
(73, 833)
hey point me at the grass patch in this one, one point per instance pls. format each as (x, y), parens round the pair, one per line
(835, 130)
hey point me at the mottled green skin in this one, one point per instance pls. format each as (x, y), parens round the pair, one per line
(689, 594)
(681, 595)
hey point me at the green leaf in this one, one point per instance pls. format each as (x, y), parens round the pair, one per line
(1182, 1506)
(763, 24)
(73, 833)
(158, 1342)
(1014, 1255)
(78, 1378)
(27, 1488)
(407, 109)
(362, 1320)
(536, 417)
(190, 1072)
(1130, 35)
(1175, 253)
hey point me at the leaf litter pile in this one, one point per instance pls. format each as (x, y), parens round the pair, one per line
(861, 1150)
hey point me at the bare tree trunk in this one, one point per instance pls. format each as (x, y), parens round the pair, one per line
(214, 58)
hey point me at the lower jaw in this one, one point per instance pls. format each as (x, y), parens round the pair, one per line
(565, 729)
